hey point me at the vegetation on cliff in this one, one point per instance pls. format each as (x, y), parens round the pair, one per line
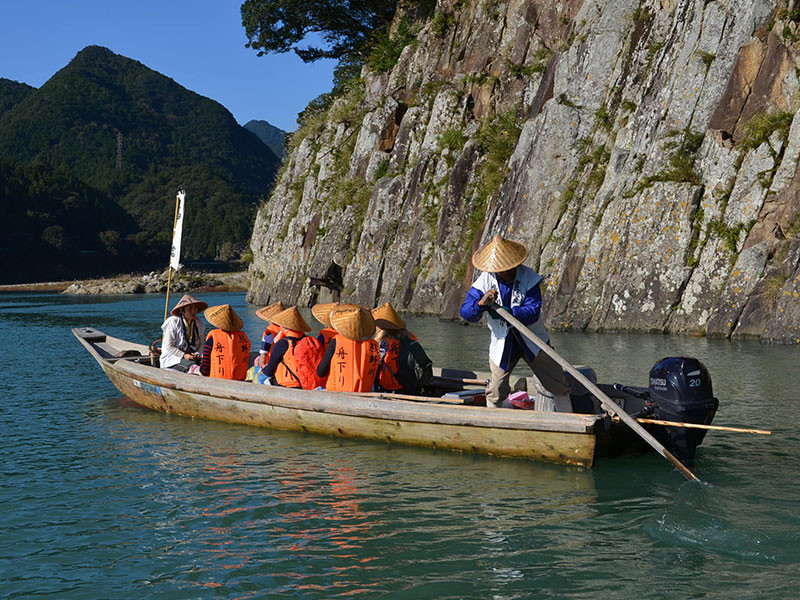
(346, 28)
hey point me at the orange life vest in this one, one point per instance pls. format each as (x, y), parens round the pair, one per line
(298, 367)
(230, 354)
(354, 365)
(285, 374)
(390, 364)
(277, 334)
(328, 334)
(272, 329)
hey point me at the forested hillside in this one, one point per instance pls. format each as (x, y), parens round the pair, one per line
(59, 226)
(109, 124)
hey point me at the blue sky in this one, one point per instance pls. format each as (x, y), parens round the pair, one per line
(199, 44)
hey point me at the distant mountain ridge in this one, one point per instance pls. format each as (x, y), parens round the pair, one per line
(269, 134)
(136, 136)
(11, 93)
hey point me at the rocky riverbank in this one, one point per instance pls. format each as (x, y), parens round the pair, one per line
(150, 283)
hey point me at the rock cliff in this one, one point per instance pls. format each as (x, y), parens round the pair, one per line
(647, 153)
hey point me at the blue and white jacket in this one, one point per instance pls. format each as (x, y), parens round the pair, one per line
(524, 298)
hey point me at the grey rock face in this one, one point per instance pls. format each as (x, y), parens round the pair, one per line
(647, 153)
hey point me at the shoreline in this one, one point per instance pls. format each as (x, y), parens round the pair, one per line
(206, 282)
(49, 286)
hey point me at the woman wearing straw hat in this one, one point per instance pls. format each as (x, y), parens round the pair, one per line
(271, 333)
(391, 334)
(226, 353)
(182, 335)
(293, 358)
(508, 282)
(352, 357)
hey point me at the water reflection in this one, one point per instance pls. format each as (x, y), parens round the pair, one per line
(355, 509)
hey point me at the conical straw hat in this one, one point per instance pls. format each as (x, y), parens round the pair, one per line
(500, 255)
(387, 318)
(353, 322)
(269, 311)
(223, 317)
(188, 300)
(291, 319)
(322, 312)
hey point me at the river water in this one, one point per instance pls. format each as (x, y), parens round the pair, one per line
(101, 499)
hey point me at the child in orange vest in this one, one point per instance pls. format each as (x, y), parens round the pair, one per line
(226, 353)
(352, 357)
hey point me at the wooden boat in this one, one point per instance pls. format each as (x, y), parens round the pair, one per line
(435, 422)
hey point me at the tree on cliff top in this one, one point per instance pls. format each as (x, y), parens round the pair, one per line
(346, 27)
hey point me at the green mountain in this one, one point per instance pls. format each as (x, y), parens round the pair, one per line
(269, 134)
(11, 93)
(62, 228)
(136, 136)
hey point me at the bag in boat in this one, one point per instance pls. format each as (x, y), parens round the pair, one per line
(415, 368)
(522, 401)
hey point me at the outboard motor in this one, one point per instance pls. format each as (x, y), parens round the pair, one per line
(680, 388)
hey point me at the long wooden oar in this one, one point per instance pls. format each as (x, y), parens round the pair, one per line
(700, 426)
(605, 401)
(393, 396)
(462, 380)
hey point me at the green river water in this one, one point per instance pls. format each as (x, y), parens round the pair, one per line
(102, 499)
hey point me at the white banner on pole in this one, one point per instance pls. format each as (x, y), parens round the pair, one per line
(175, 252)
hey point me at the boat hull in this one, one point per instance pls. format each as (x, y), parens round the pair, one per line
(549, 437)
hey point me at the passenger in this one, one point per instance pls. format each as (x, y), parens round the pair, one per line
(508, 282)
(270, 333)
(293, 359)
(352, 357)
(322, 313)
(182, 336)
(226, 353)
(391, 332)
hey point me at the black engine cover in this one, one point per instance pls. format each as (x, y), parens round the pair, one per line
(680, 388)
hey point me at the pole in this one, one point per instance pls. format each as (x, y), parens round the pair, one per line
(169, 269)
(700, 426)
(606, 402)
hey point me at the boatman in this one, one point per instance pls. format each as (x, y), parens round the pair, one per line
(506, 281)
